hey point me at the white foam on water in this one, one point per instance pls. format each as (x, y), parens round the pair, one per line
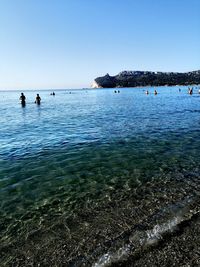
(109, 257)
(156, 233)
(138, 240)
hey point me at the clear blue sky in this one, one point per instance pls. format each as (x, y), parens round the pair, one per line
(67, 43)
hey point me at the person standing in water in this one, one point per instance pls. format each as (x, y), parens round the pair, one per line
(23, 99)
(37, 99)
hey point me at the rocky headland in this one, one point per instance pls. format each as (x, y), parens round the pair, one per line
(146, 78)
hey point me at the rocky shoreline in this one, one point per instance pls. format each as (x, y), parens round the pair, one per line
(156, 224)
(146, 78)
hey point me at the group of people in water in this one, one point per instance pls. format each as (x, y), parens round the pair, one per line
(190, 91)
(23, 99)
(155, 92)
(37, 99)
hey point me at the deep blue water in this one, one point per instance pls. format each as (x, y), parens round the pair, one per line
(87, 146)
(92, 116)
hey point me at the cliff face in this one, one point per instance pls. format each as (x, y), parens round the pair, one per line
(106, 81)
(146, 78)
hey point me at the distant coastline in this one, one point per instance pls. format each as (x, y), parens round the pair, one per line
(147, 78)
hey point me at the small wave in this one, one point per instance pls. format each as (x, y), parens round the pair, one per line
(140, 240)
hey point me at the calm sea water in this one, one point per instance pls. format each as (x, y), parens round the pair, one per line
(88, 166)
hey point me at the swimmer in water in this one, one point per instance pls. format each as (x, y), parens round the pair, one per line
(23, 99)
(155, 92)
(37, 99)
(147, 92)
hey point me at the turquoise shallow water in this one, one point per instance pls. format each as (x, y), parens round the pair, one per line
(63, 162)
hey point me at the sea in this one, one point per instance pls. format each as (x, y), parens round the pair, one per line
(91, 177)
